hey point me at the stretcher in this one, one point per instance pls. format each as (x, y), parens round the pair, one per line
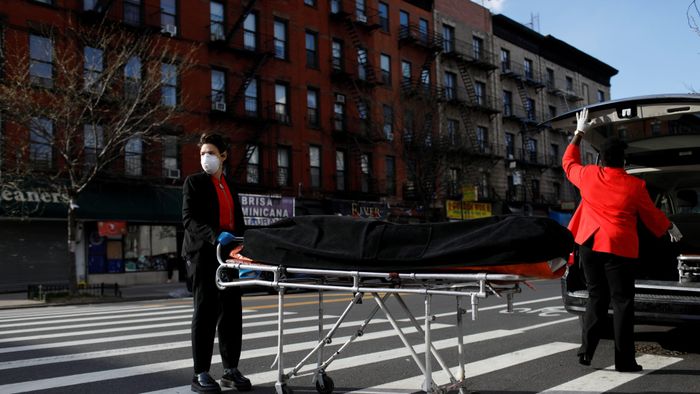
(472, 283)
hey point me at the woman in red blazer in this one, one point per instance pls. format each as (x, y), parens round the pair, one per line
(605, 228)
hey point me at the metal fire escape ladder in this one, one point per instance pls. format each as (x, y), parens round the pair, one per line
(464, 111)
(237, 24)
(248, 77)
(362, 57)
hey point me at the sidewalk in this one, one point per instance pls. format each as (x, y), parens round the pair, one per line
(130, 293)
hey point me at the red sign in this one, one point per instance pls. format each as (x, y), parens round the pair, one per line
(111, 229)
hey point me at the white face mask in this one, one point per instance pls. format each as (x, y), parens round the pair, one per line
(210, 163)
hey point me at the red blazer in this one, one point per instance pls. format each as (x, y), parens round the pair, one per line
(611, 201)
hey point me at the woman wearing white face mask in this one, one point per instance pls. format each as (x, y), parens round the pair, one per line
(211, 206)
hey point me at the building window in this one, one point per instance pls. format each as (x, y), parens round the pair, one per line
(92, 68)
(453, 182)
(408, 127)
(337, 55)
(41, 142)
(601, 96)
(406, 74)
(41, 60)
(585, 93)
(250, 32)
(251, 98)
(282, 102)
(550, 79)
(365, 172)
(552, 111)
(423, 30)
(315, 166)
(339, 113)
(507, 103)
(171, 166)
(283, 173)
(340, 170)
(362, 63)
(425, 79)
(363, 109)
(477, 47)
(452, 131)
(510, 146)
(385, 66)
(336, 6)
(450, 86)
(404, 29)
(528, 68)
(482, 139)
(480, 93)
(360, 10)
(93, 141)
(311, 3)
(390, 165)
(218, 89)
(569, 84)
(133, 157)
(132, 78)
(532, 150)
(132, 12)
(384, 16)
(531, 115)
(312, 107)
(448, 36)
(388, 123)
(216, 21)
(311, 49)
(168, 75)
(554, 158)
(280, 39)
(505, 60)
(252, 175)
(168, 16)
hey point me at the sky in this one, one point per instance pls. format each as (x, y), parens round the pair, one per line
(649, 42)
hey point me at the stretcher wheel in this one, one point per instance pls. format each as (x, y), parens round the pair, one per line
(328, 385)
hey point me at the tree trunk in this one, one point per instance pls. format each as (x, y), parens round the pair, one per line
(72, 277)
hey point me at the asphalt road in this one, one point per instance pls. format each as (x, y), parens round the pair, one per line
(144, 347)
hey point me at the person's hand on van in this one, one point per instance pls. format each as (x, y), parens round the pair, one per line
(674, 233)
(582, 123)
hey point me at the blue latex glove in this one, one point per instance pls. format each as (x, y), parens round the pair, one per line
(225, 238)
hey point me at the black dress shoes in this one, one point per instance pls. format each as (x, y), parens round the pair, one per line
(584, 359)
(633, 367)
(204, 383)
(233, 377)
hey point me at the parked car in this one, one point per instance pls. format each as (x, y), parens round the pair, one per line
(663, 134)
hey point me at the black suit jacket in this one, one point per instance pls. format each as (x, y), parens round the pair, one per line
(200, 213)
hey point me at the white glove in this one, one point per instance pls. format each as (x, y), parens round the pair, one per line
(675, 233)
(582, 123)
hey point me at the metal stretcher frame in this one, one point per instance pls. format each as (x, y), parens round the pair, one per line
(359, 283)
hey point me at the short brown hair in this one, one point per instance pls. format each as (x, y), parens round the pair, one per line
(218, 140)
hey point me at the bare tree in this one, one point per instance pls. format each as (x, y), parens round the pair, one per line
(80, 96)
(692, 13)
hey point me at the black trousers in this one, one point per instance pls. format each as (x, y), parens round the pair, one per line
(610, 280)
(214, 310)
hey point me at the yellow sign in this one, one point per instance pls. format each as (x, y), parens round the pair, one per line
(469, 193)
(467, 210)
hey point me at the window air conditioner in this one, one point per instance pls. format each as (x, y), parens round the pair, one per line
(169, 29)
(172, 173)
(219, 106)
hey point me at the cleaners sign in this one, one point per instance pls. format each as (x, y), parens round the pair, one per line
(261, 210)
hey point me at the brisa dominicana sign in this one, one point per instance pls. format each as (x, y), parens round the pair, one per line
(262, 210)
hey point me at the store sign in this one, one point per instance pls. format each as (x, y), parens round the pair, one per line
(467, 210)
(24, 199)
(111, 228)
(361, 209)
(262, 210)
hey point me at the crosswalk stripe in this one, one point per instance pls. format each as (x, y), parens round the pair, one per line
(375, 357)
(260, 352)
(145, 327)
(607, 379)
(51, 327)
(475, 368)
(43, 318)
